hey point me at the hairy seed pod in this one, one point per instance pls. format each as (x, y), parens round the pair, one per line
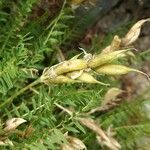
(88, 78)
(102, 59)
(70, 65)
(85, 77)
(59, 80)
(110, 69)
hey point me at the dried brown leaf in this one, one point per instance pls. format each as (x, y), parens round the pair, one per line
(6, 142)
(67, 147)
(28, 132)
(112, 144)
(73, 144)
(103, 138)
(91, 124)
(111, 95)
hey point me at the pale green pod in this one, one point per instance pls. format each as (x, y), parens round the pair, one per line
(110, 69)
(102, 59)
(113, 69)
(59, 80)
(70, 65)
(88, 78)
(84, 77)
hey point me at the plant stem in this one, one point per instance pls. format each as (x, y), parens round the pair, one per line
(55, 22)
(10, 99)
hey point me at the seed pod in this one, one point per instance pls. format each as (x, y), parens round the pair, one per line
(88, 78)
(113, 69)
(102, 59)
(70, 65)
(76, 56)
(134, 33)
(110, 69)
(59, 80)
(114, 46)
(85, 77)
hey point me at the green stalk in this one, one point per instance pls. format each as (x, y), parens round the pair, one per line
(10, 99)
(55, 22)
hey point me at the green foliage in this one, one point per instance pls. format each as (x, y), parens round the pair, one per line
(26, 45)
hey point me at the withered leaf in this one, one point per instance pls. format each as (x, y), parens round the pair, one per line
(73, 144)
(102, 136)
(111, 95)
